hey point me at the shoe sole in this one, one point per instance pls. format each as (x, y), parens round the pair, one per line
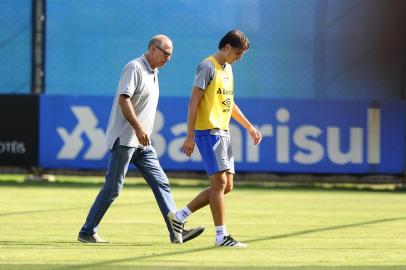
(231, 246)
(85, 241)
(89, 242)
(193, 234)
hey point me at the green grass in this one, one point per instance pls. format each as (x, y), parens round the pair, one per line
(286, 228)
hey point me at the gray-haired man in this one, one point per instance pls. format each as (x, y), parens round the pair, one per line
(128, 137)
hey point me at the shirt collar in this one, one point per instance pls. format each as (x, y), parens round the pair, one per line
(146, 64)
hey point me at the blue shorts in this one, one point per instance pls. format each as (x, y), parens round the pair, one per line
(215, 148)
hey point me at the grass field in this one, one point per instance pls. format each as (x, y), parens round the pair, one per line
(286, 228)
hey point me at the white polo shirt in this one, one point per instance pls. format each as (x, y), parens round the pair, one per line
(140, 82)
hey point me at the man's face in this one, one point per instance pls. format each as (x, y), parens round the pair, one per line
(233, 54)
(162, 54)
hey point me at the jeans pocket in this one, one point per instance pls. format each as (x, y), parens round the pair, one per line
(116, 144)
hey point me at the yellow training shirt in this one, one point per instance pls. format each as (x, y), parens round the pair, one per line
(215, 107)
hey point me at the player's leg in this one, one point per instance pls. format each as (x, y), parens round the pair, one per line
(217, 157)
(200, 201)
(218, 184)
(203, 198)
(223, 238)
(230, 182)
(148, 164)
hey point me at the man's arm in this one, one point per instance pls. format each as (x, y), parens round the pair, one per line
(189, 143)
(238, 116)
(129, 114)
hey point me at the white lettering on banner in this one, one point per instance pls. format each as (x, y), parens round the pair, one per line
(236, 142)
(374, 136)
(175, 146)
(354, 154)
(73, 143)
(310, 151)
(282, 136)
(253, 150)
(158, 141)
(13, 147)
(314, 151)
(305, 139)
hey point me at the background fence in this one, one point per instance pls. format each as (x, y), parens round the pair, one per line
(15, 46)
(332, 49)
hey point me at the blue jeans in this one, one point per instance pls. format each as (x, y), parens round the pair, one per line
(146, 160)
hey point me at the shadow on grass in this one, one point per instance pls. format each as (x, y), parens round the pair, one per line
(250, 241)
(64, 244)
(57, 184)
(65, 209)
(139, 267)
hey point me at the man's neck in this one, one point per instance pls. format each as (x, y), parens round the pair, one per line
(149, 60)
(220, 58)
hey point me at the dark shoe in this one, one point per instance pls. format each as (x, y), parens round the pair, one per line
(87, 238)
(190, 234)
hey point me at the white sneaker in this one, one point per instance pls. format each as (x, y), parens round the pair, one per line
(177, 226)
(228, 241)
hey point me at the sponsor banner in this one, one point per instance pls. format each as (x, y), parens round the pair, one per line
(72, 132)
(19, 130)
(299, 136)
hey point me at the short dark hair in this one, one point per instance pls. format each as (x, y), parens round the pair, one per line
(236, 39)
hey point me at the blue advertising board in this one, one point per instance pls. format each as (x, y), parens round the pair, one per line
(299, 136)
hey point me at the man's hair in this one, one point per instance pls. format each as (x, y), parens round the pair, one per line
(236, 39)
(155, 41)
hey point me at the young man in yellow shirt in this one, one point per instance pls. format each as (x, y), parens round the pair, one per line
(210, 108)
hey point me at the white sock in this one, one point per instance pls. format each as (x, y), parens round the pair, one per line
(183, 213)
(221, 231)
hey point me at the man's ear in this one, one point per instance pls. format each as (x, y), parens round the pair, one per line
(227, 48)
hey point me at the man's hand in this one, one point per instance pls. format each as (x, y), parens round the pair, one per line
(188, 145)
(129, 114)
(142, 137)
(255, 135)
